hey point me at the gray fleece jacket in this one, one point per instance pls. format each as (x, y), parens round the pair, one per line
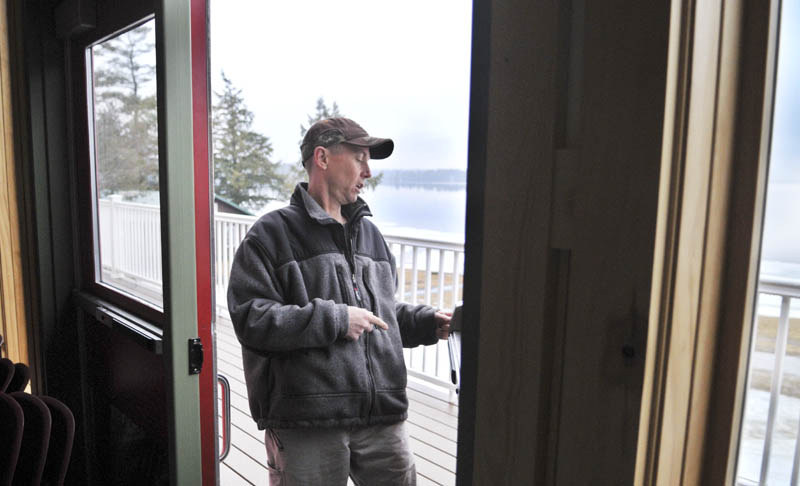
(293, 276)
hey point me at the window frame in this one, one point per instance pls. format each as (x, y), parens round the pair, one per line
(88, 278)
(711, 199)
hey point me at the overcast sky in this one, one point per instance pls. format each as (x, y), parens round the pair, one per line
(400, 69)
(782, 221)
(785, 156)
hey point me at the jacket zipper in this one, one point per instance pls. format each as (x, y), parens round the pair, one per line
(357, 292)
(350, 242)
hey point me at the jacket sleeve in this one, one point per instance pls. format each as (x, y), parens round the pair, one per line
(416, 322)
(261, 318)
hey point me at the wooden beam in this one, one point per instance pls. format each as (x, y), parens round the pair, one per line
(12, 295)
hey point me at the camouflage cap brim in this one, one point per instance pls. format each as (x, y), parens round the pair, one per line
(379, 148)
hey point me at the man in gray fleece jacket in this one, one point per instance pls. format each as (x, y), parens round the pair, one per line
(311, 297)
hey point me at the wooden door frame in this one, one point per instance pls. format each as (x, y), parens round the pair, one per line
(714, 167)
(720, 78)
(13, 306)
(473, 236)
(204, 237)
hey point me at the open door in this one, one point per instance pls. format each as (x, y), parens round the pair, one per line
(140, 125)
(184, 117)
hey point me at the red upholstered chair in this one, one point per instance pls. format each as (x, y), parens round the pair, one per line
(35, 440)
(6, 373)
(62, 434)
(20, 379)
(11, 425)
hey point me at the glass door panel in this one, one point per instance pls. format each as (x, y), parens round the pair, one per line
(126, 165)
(769, 449)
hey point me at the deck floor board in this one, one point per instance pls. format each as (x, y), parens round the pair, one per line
(229, 477)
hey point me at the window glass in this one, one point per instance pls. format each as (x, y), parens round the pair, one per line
(769, 450)
(123, 75)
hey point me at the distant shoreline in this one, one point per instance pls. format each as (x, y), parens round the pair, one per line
(431, 186)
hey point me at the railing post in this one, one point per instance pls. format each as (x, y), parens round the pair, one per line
(113, 230)
(414, 276)
(441, 279)
(796, 463)
(402, 276)
(455, 279)
(428, 276)
(775, 389)
(427, 300)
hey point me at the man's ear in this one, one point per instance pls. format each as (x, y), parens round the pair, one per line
(320, 158)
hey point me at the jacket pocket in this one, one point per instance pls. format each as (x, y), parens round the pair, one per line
(336, 369)
(379, 286)
(260, 380)
(368, 287)
(343, 287)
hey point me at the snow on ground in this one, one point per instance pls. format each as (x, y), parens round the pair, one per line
(787, 422)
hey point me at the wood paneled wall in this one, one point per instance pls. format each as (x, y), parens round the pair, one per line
(12, 295)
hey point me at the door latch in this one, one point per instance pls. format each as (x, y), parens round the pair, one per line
(195, 356)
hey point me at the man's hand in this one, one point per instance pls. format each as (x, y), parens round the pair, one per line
(361, 321)
(442, 324)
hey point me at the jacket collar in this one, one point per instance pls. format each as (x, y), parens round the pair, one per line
(353, 212)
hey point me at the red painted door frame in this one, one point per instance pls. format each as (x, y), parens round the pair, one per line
(203, 201)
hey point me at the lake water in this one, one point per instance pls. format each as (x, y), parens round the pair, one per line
(437, 211)
(782, 228)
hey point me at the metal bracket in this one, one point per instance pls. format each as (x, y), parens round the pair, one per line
(195, 356)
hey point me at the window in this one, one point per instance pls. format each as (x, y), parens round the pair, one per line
(768, 450)
(125, 155)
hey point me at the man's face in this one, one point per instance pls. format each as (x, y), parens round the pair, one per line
(348, 168)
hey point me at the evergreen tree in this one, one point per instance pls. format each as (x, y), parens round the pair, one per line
(322, 112)
(125, 113)
(243, 170)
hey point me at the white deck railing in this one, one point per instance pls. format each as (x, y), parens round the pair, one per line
(776, 460)
(129, 240)
(429, 271)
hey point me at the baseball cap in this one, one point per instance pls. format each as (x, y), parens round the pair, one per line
(329, 132)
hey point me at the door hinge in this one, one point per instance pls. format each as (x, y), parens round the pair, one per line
(195, 356)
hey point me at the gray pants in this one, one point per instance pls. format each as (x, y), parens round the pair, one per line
(374, 455)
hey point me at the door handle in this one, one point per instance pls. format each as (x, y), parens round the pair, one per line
(226, 416)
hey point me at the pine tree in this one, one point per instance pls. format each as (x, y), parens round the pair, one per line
(125, 113)
(243, 170)
(322, 112)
